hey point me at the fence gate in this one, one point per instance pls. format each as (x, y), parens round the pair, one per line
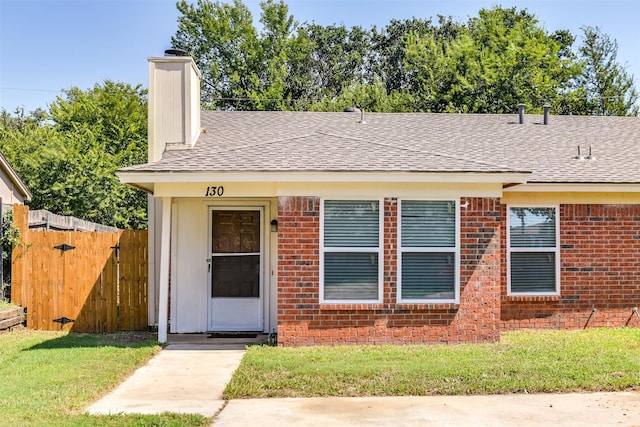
(82, 281)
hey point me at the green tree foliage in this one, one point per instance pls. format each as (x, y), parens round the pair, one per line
(489, 64)
(604, 87)
(9, 239)
(368, 97)
(277, 48)
(19, 120)
(499, 59)
(390, 47)
(339, 56)
(242, 68)
(114, 113)
(222, 39)
(68, 158)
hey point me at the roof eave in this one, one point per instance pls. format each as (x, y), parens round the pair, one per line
(576, 187)
(146, 179)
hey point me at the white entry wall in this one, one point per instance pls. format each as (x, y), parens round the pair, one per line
(190, 246)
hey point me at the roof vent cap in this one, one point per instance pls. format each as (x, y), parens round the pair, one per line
(175, 52)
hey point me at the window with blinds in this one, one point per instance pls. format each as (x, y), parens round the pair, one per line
(351, 251)
(533, 251)
(428, 251)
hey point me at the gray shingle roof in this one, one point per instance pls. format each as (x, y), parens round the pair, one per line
(412, 142)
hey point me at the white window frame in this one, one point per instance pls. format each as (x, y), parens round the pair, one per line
(555, 250)
(455, 250)
(379, 250)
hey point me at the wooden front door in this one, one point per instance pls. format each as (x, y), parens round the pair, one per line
(236, 270)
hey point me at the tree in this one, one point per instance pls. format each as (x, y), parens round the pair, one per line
(441, 73)
(242, 68)
(115, 113)
(367, 97)
(18, 120)
(69, 161)
(604, 87)
(339, 57)
(223, 41)
(489, 64)
(390, 42)
(285, 78)
(284, 66)
(497, 60)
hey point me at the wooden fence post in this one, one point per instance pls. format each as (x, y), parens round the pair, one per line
(133, 280)
(18, 260)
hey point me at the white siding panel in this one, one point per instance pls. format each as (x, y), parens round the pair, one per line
(8, 191)
(190, 287)
(170, 105)
(194, 105)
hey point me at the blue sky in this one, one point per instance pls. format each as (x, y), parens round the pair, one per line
(49, 45)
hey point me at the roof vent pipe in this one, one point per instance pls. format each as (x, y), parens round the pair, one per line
(362, 121)
(521, 113)
(546, 114)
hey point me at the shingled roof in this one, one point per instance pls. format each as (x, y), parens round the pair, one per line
(413, 142)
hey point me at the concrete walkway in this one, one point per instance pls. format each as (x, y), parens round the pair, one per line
(522, 410)
(190, 378)
(182, 378)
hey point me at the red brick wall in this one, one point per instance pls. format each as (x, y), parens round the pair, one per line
(600, 269)
(302, 320)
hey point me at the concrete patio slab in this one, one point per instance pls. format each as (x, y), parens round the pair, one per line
(182, 378)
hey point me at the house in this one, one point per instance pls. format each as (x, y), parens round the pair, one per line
(336, 228)
(12, 189)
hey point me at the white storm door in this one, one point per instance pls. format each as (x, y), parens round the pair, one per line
(236, 265)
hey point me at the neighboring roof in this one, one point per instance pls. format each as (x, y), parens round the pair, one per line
(13, 176)
(412, 142)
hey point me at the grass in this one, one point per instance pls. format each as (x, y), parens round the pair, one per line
(535, 362)
(49, 378)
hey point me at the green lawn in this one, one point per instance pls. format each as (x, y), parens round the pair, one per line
(542, 361)
(48, 378)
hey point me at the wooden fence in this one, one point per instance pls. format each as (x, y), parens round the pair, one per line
(10, 318)
(82, 281)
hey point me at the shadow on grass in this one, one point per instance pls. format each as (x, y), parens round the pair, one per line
(137, 339)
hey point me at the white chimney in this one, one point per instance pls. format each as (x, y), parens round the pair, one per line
(174, 104)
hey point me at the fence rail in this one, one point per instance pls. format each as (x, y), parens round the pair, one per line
(83, 281)
(49, 221)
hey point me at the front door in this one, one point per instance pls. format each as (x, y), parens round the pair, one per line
(236, 270)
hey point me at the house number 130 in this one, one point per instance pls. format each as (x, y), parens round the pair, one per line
(214, 191)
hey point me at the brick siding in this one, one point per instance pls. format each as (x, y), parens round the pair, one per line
(302, 320)
(599, 273)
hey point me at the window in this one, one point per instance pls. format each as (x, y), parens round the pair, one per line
(533, 251)
(351, 267)
(429, 261)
